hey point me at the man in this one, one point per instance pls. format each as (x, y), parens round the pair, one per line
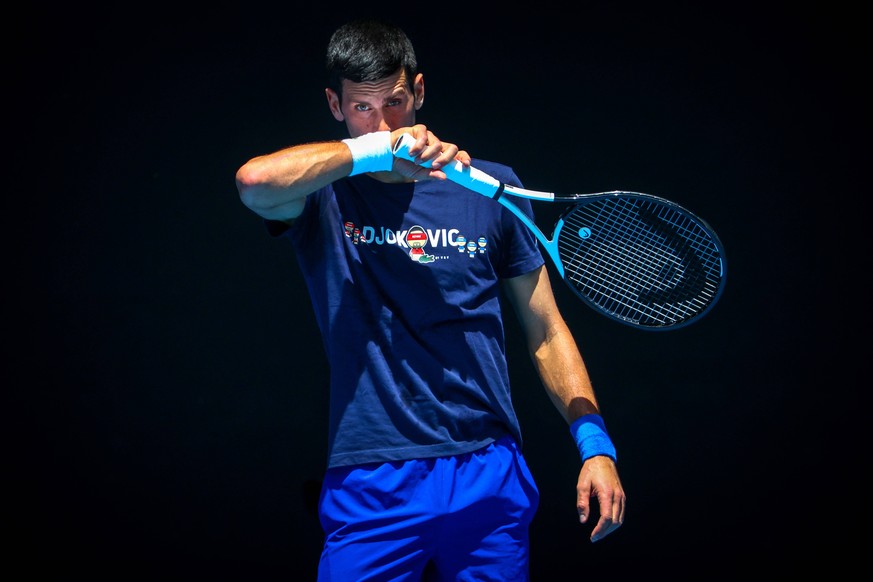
(425, 473)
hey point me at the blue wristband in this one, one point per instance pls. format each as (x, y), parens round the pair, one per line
(589, 432)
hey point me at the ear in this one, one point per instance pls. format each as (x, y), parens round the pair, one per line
(418, 91)
(333, 102)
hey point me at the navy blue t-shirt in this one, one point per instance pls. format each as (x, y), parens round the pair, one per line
(404, 282)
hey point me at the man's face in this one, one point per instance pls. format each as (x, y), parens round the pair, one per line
(380, 105)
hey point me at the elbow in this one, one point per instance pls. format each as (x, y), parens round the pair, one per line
(246, 178)
(261, 196)
(267, 193)
(248, 182)
(251, 174)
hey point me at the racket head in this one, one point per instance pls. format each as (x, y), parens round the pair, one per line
(640, 259)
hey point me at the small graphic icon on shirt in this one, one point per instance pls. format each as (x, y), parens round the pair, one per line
(416, 238)
(353, 232)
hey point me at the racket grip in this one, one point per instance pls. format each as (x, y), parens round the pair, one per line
(471, 178)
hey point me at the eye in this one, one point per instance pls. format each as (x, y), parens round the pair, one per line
(394, 102)
(361, 107)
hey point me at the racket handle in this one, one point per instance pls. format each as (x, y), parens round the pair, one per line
(471, 178)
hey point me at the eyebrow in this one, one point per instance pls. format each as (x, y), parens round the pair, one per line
(399, 92)
(368, 99)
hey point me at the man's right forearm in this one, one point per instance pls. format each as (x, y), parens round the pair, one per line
(275, 185)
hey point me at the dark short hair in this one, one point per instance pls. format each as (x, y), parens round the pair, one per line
(368, 50)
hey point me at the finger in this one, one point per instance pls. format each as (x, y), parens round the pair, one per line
(619, 512)
(447, 156)
(421, 135)
(604, 526)
(463, 157)
(583, 511)
(583, 502)
(432, 149)
(612, 516)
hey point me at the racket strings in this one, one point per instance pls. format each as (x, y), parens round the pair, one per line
(656, 291)
(642, 261)
(656, 288)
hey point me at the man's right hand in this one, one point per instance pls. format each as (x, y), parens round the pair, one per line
(427, 147)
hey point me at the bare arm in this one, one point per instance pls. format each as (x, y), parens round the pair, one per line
(275, 185)
(565, 377)
(551, 345)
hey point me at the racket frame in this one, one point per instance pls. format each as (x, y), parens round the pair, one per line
(486, 185)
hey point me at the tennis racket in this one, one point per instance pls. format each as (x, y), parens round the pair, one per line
(639, 259)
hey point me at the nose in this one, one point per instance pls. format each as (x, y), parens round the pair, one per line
(383, 125)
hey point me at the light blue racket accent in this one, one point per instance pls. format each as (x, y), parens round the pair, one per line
(472, 178)
(481, 183)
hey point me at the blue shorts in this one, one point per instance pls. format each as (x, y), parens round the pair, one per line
(464, 517)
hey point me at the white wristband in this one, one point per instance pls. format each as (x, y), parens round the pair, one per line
(371, 152)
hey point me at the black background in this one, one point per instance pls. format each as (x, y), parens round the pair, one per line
(167, 411)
